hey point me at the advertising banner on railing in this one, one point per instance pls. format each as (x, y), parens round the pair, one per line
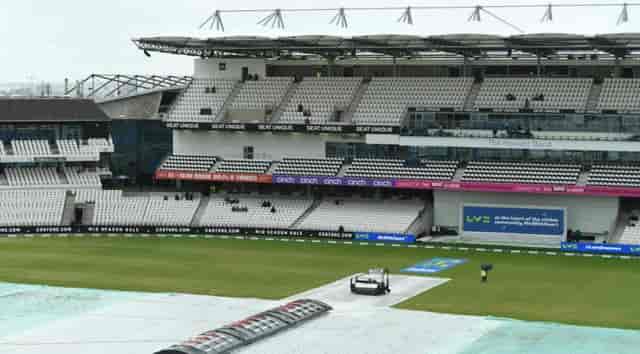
(489, 219)
(384, 237)
(604, 248)
(212, 176)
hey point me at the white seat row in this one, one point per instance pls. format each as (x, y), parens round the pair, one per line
(529, 172)
(374, 168)
(614, 175)
(93, 195)
(620, 95)
(321, 96)
(82, 176)
(189, 163)
(244, 166)
(30, 147)
(392, 216)
(268, 91)
(308, 167)
(208, 94)
(559, 94)
(287, 210)
(32, 176)
(386, 100)
(31, 208)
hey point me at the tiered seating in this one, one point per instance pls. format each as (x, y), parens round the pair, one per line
(308, 167)
(207, 94)
(393, 216)
(259, 94)
(68, 147)
(81, 176)
(2, 148)
(244, 166)
(127, 211)
(92, 195)
(379, 168)
(189, 163)
(31, 208)
(321, 96)
(32, 176)
(521, 172)
(630, 235)
(387, 99)
(558, 94)
(620, 95)
(170, 212)
(287, 210)
(615, 175)
(29, 147)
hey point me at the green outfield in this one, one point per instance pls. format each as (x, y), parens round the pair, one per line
(578, 290)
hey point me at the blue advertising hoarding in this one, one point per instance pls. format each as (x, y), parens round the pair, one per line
(383, 237)
(513, 220)
(584, 247)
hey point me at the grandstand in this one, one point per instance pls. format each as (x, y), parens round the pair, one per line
(407, 143)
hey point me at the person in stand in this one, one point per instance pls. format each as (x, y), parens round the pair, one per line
(300, 108)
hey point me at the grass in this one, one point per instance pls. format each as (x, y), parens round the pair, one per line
(576, 290)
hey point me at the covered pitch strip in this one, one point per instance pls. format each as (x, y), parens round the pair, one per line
(252, 329)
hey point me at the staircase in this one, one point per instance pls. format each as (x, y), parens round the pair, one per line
(343, 169)
(457, 177)
(304, 215)
(273, 167)
(222, 113)
(68, 213)
(87, 214)
(275, 117)
(204, 201)
(63, 178)
(355, 103)
(594, 98)
(470, 101)
(583, 178)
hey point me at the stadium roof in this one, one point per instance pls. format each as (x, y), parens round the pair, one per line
(49, 110)
(619, 45)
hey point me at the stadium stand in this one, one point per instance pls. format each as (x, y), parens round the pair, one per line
(253, 211)
(614, 175)
(30, 147)
(243, 166)
(2, 152)
(121, 211)
(168, 211)
(32, 176)
(394, 216)
(378, 168)
(81, 176)
(308, 167)
(542, 94)
(201, 101)
(31, 208)
(320, 97)
(386, 100)
(258, 94)
(92, 195)
(189, 163)
(522, 172)
(620, 95)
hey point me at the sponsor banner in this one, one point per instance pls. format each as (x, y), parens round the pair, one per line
(213, 176)
(210, 230)
(294, 128)
(604, 248)
(384, 237)
(400, 183)
(333, 181)
(434, 265)
(513, 220)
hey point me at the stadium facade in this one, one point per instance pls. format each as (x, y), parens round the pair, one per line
(528, 140)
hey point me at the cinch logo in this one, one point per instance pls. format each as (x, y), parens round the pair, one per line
(634, 249)
(571, 246)
(480, 219)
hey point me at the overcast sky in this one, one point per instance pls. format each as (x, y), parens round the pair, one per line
(50, 40)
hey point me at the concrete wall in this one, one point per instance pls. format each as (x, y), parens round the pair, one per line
(587, 214)
(211, 69)
(266, 145)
